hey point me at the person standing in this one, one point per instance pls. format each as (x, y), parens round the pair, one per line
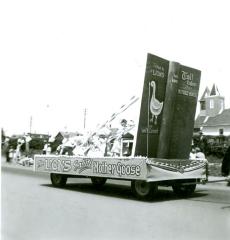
(192, 154)
(7, 155)
(6, 148)
(48, 149)
(44, 148)
(199, 154)
(11, 154)
(18, 149)
(116, 148)
(225, 168)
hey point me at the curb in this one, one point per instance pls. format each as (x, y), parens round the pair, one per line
(16, 166)
(218, 180)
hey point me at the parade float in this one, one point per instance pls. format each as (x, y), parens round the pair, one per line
(151, 150)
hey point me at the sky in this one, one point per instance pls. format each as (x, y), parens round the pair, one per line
(59, 57)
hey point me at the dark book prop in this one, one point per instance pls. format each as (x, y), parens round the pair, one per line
(168, 108)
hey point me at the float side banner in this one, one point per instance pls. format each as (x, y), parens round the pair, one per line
(125, 168)
(165, 169)
(152, 102)
(184, 112)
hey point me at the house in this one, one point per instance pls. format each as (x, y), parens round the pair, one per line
(62, 135)
(45, 137)
(32, 135)
(36, 140)
(126, 143)
(213, 119)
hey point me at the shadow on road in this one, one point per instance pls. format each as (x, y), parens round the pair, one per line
(226, 207)
(211, 201)
(122, 192)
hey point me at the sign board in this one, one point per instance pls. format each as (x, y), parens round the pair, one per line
(124, 168)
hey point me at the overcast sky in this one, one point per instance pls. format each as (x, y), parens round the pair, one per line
(59, 57)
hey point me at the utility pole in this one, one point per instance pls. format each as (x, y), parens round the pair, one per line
(85, 112)
(28, 137)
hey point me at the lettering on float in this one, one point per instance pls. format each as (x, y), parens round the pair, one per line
(58, 165)
(116, 169)
(158, 71)
(187, 89)
(89, 165)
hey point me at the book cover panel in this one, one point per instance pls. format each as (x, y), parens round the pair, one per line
(184, 112)
(151, 106)
(168, 110)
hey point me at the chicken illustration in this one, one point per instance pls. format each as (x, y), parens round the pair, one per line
(155, 105)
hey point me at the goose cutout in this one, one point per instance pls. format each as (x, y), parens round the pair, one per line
(155, 105)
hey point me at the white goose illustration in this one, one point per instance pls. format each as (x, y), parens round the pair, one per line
(155, 105)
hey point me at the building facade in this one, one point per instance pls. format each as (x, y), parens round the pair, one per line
(213, 119)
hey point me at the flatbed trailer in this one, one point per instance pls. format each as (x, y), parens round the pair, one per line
(163, 136)
(145, 174)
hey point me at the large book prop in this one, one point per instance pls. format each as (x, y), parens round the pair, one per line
(152, 102)
(168, 109)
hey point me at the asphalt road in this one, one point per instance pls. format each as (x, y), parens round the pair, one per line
(33, 209)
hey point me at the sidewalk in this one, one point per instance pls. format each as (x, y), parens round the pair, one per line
(217, 180)
(14, 165)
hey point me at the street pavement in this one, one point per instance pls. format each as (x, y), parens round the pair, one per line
(33, 209)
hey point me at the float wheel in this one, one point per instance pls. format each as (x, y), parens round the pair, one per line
(58, 180)
(98, 181)
(144, 190)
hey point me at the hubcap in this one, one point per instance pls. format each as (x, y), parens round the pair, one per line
(57, 178)
(142, 187)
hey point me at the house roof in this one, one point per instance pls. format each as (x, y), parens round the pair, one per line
(214, 91)
(205, 94)
(37, 135)
(199, 121)
(219, 120)
(128, 135)
(32, 135)
(17, 136)
(69, 134)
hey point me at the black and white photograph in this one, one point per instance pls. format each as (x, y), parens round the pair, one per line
(115, 120)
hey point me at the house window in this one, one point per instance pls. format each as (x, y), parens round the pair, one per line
(221, 131)
(211, 103)
(202, 106)
(222, 105)
(126, 147)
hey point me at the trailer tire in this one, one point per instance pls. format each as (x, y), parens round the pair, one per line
(98, 181)
(184, 190)
(58, 180)
(144, 190)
